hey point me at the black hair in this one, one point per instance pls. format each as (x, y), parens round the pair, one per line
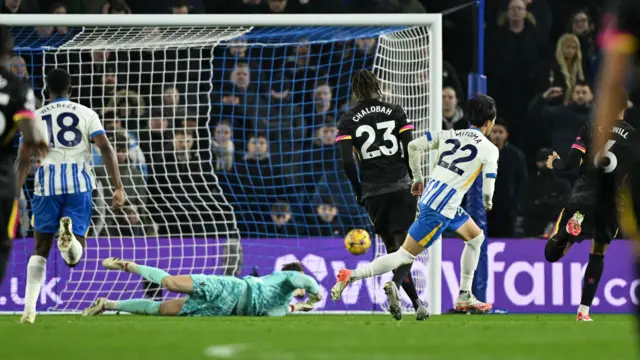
(58, 81)
(6, 42)
(501, 122)
(118, 6)
(365, 85)
(179, 3)
(294, 266)
(480, 109)
(581, 83)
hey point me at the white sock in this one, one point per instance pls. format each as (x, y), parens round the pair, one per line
(469, 261)
(383, 264)
(583, 309)
(35, 277)
(74, 255)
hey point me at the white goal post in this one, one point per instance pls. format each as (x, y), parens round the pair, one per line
(408, 61)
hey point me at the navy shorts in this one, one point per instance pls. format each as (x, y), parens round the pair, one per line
(48, 210)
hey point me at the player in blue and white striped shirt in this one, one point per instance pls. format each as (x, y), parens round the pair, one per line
(64, 181)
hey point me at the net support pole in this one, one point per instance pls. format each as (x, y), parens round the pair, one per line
(475, 204)
(435, 251)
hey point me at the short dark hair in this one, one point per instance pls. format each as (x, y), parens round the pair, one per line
(480, 109)
(294, 266)
(58, 81)
(6, 41)
(180, 3)
(118, 5)
(581, 83)
(501, 122)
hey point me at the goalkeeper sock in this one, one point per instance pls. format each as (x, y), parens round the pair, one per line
(135, 306)
(592, 275)
(74, 255)
(35, 277)
(383, 264)
(469, 261)
(152, 274)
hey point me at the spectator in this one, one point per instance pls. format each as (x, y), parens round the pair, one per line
(240, 96)
(581, 26)
(134, 219)
(171, 96)
(182, 193)
(18, 67)
(512, 172)
(222, 147)
(562, 121)
(566, 69)
(452, 115)
(283, 122)
(323, 100)
(541, 197)
(116, 7)
(114, 128)
(302, 67)
(277, 6)
(514, 54)
(257, 148)
(47, 31)
(284, 223)
(325, 221)
(155, 135)
(18, 7)
(180, 7)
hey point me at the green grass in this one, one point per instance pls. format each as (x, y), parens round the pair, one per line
(310, 337)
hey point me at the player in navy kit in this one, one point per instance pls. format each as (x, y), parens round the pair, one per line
(376, 130)
(17, 106)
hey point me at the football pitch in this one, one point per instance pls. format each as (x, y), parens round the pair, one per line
(308, 337)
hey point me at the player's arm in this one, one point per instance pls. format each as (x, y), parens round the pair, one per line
(111, 164)
(575, 157)
(405, 133)
(415, 148)
(345, 147)
(32, 140)
(620, 44)
(489, 174)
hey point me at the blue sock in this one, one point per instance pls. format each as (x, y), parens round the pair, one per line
(152, 274)
(140, 306)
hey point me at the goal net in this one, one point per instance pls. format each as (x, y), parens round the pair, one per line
(225, 137)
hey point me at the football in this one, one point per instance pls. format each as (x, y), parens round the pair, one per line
(357, 241)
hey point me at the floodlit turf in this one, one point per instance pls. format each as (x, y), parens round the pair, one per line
(311, 337)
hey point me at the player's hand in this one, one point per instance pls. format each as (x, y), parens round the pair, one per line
(302, 306)
(551, 159)
(313, 298)
(118, 199)
(552, 93)
(417, 188)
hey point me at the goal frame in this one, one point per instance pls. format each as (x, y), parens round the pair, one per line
(433, 21)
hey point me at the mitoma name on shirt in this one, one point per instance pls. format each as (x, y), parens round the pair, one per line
(59, 105)
(372, 109)
(473, 134)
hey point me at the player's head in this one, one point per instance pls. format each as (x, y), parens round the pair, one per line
(294, 266)
(6, 45)
(481, 112)
(365, 85)
(58, 83)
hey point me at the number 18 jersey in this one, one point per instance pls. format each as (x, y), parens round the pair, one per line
(374, 127)
(70, 127)
(462, 156)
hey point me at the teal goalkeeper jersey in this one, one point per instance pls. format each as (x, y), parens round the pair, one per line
(272, 294)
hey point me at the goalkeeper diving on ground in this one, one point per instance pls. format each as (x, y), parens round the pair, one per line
(212, 295)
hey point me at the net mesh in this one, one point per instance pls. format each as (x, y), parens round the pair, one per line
(224, 133)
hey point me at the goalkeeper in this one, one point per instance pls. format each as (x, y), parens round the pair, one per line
(211, 295)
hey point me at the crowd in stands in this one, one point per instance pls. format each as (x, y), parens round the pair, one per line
(263, 119)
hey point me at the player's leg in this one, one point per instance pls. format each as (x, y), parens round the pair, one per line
(473, 238)
(182, 284)
(136, 306)
(45, 222)
(8, 226)
(74, 225)
(560, 240)
(427, 227)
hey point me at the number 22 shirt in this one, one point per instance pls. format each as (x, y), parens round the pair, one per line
(70, 127)
(462, 156)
